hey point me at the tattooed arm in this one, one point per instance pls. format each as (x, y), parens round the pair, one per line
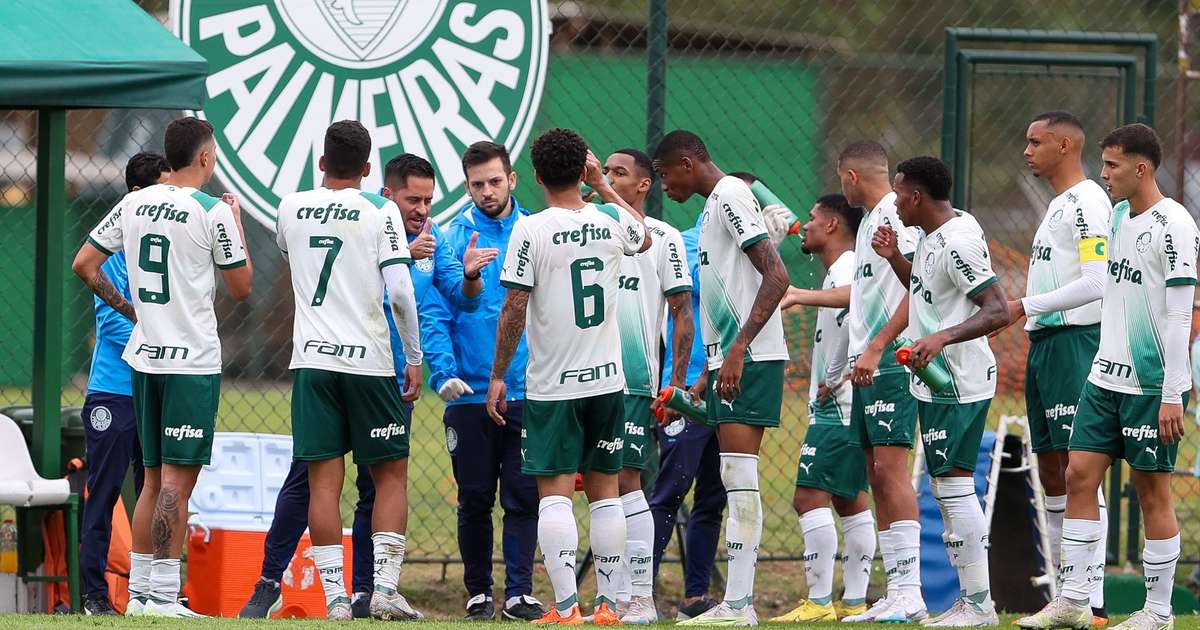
(508, 335)
(87, 266)
(774, 285)
(680, 306)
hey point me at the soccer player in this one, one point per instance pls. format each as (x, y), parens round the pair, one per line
(111, 430)
(650, 283)
(832, 466)
(1132, 404)
(458, 347)
(562, 272)
(179, 236)
(883, 413)
(345, 246)
(742, 281)
(1067, 269)
(953, 303)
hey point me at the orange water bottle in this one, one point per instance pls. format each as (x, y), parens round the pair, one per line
(932, 375)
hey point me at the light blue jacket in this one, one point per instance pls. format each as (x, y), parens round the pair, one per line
(691, 246)
(110, 373)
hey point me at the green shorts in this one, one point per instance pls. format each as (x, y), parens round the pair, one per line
(176, 417)
(334, 413)
(831, 462)
(951, 434)
(884, 413)
(759, 404)
(1122, 426)
(569, 436)
(1058, 366)
(637, 432)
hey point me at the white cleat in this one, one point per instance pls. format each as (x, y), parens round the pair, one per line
(339, 610)
(953, 610)
(724, 614)
(173, 609)
(872, 612)
(1145, 619)
(1059, 613)
(388, 606)
(136, 607)
(640, 612)
(969, 616)
(905, 608)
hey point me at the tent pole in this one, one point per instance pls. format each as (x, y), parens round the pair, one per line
(48, 292)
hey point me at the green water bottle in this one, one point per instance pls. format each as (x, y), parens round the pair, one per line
(683, 402)
(932, 375)
(767, 198)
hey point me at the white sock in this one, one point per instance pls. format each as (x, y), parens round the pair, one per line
(1158, 564)
(1056, 508)
(743, 525)
(607, 529)
(887, 549)
(558, 536)
(820, 546)
(906, 535)
(639, 529)
(966, 536)
(330, 563)
(389, 559)
(139, 574)
(1079, 541)
(859, 532)
(1101, 557)
(164, 580)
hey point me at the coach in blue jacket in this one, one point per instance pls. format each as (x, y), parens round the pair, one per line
(458, 348)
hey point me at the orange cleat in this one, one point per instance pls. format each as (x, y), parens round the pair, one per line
(1099, 622)
(605, 616)
(554, 618)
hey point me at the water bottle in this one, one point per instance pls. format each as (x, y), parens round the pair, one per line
(767, 198)
(932, 375)
(683, 402)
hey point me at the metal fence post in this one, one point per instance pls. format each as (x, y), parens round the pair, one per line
(656, 91)
(48, 292)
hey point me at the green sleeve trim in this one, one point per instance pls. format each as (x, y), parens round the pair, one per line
(99, 246)
(977, 290)
(205, 200)
(509, 284)
(234, 265)
(752, 240)
(377, 200)
(395, 261)
(909, 256)
(1181, 282)
(610, 211)
(687, 288)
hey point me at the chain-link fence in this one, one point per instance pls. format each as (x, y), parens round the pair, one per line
(775, 88)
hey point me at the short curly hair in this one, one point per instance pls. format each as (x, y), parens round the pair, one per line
(928, 173)
(559, 156)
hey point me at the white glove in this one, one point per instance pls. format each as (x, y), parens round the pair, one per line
(777, 219)
(453, 389)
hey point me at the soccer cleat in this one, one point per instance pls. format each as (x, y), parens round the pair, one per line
(555, 618)
(392, 605)
(340, 609)
(695, 609)
(968, 615)
(523, 608)
(266, 600)
(1099, 622)
(135, 607)
(808, 612)
(845, 610)
(953, 610)
(904, 608)
(1145, 619)
(173, 609)
(605, 616)
(360, 605)
(871, 613)
(1059, 613)
(724, 614)
(480, 608)
(641, 612)
(97, 604)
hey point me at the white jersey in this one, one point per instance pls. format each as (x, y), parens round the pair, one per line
(337, 242)
(1146, 254)
(1073, 231)
(172, 237)
(646, 281)
(951, 266)
(831, 333)
(876, 292)
(570, 261)
(732, 221)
